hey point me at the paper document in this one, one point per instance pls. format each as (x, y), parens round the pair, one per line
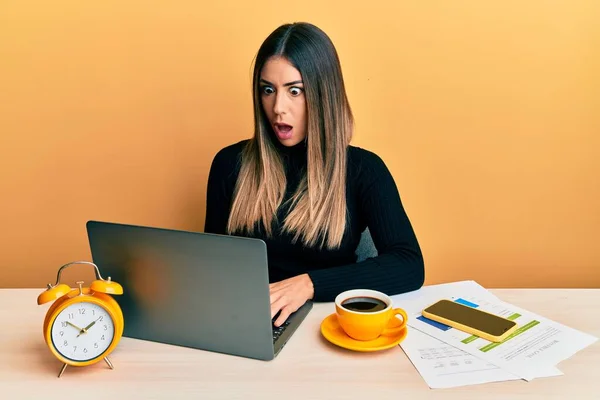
(536, 345)
(445, 366)
(440, 364)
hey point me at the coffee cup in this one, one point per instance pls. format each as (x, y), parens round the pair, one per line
(367, 314)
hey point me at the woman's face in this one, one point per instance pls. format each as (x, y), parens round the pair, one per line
(283, 100)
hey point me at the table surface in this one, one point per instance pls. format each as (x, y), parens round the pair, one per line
(308, 367)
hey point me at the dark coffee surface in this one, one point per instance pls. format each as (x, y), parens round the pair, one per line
(364, 304)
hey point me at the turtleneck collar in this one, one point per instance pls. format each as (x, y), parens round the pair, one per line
(294, 159)
(296, 152)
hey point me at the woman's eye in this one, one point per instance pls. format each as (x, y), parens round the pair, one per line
(268, 90)
(295, 91)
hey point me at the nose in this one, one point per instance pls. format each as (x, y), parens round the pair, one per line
(279, 107)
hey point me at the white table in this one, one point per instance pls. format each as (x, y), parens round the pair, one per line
(308, 367)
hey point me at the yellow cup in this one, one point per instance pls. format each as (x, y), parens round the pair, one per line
(366, 314)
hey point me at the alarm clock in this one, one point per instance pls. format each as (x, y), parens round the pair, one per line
(84, 325)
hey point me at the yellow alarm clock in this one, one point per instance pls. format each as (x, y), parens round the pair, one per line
(84, 325)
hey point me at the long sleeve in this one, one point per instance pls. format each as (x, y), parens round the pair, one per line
(399, 266)
(221, 182)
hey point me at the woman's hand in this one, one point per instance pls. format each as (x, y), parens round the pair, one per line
(289, 295)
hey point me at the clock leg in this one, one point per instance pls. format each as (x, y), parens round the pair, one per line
(62, 370)
(109, 363)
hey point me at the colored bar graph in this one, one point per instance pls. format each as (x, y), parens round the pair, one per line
(470, 339)
(522, 329)
(433, 323)
(466, 303)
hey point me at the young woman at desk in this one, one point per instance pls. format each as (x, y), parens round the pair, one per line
(301, 187)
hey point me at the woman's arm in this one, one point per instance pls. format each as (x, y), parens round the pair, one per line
(399, 266)
(219, 191)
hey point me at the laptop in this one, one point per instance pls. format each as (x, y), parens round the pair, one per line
(192, 289)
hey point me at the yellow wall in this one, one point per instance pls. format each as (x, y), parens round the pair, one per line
(487, 113)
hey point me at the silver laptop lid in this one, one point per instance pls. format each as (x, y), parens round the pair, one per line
(189, 289)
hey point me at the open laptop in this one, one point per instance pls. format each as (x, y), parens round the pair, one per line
(192, 289)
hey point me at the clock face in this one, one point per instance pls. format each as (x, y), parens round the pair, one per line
(82, 331)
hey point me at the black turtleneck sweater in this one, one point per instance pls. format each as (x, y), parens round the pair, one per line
(372, 200)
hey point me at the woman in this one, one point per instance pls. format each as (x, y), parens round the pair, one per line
(301, 187)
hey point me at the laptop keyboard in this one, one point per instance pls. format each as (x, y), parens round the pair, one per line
(277, 331)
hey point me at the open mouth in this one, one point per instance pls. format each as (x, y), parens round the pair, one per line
(283, 131)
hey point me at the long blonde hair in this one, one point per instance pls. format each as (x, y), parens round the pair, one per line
(317, 213)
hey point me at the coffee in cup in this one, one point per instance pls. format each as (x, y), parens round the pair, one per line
(366, 314)
(364, 304)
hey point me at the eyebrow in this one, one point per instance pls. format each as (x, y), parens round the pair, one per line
(285, 84)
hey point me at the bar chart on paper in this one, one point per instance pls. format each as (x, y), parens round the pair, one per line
(524, 326)
(443, 365)
(537, 345)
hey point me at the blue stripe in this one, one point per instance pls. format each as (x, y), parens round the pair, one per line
(435, 324)
(466, 303)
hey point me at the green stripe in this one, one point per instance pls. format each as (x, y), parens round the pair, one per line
(514, 316)
(469, 339)
(522, 329)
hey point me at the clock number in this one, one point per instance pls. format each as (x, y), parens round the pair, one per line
(105, 327)
(102, 338)
(65, 343)
(82, 311)
(64, 324)
(101, 318)
(62, 333)
(71, 316)
(74, 348)
(93, 312)
(95, 345)
(85, 350)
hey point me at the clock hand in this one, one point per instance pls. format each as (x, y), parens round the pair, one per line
(74, 326)
(84, 330)
(91, 324)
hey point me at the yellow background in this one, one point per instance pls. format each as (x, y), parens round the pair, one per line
(486, 112)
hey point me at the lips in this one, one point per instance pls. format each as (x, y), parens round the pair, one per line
(282, 130)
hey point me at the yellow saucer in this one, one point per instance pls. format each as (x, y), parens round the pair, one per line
(333, 332)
